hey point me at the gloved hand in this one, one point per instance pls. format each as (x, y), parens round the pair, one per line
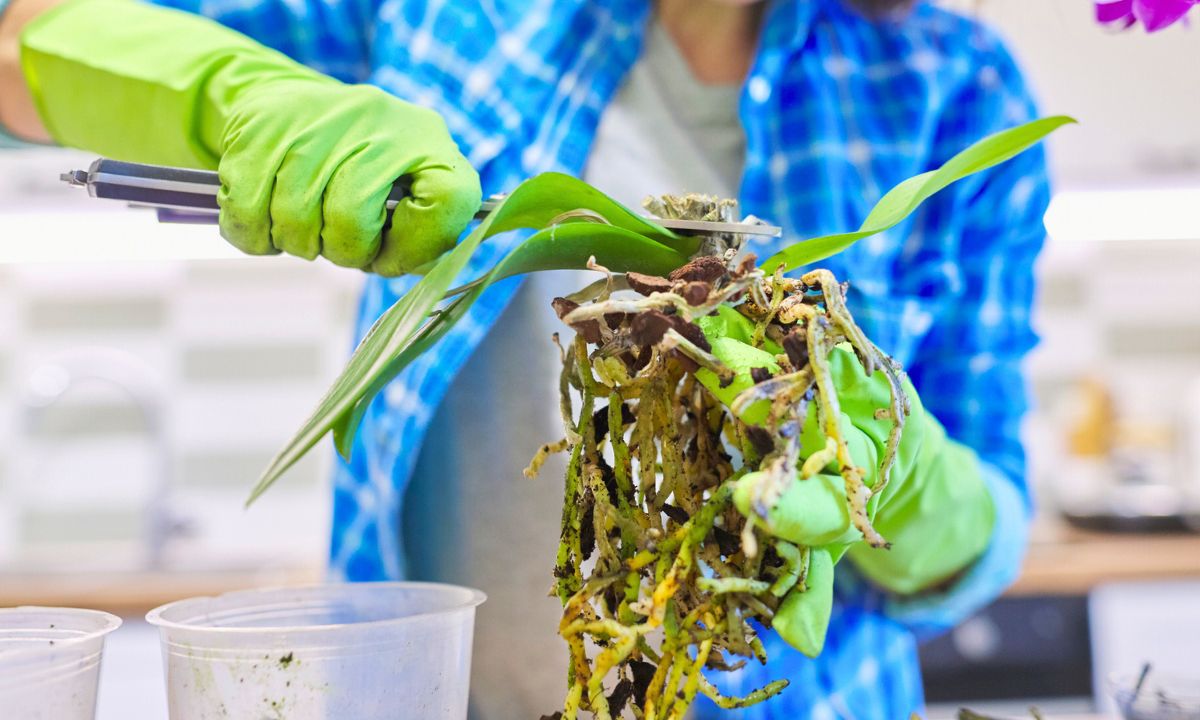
(936, 510)
(306, 162)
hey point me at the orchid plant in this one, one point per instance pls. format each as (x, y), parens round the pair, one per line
(667, 561)
(576, 225)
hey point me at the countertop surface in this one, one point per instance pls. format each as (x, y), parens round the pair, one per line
(1061, 560)
(1065, 560)
(134, 592)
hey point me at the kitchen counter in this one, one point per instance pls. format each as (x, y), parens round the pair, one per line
(1062, 560)
(132, 592)
(1066, 560)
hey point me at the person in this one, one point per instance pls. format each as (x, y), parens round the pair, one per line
(805, 110)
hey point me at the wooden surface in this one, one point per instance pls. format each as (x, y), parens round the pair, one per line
(135, 593)
(1061, 561)
(1070, 561)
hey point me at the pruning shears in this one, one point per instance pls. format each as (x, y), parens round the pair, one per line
(184, 195)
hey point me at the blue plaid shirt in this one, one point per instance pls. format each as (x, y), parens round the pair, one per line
(836, 111)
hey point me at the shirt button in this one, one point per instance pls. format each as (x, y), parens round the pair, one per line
(760, 89)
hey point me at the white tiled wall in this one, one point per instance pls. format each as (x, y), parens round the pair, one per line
(232, 354)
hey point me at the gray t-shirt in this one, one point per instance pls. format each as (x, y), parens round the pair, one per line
(470, 516)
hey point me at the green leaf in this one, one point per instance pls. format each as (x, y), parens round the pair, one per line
(902, 200)
(568, 247)
(559, 247)
(404, 330)
(538, 202)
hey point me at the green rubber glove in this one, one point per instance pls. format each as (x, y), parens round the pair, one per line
(729, 332)
(936, 510)
(306, 162)
(803, 617)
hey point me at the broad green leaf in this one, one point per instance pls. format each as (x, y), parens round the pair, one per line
(559, 247)
(546, 197)
(535, 203)
(902, 200)
(568, 247)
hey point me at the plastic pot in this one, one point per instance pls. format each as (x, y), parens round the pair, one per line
(363, 650)
(50, 661)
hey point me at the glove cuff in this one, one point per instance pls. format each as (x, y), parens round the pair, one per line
(105, 77)
(930, 613)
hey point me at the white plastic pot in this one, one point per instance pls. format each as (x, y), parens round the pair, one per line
(50, 661)
(366, 651)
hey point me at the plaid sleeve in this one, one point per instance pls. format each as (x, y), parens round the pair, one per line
(968, 368)
(331, 36)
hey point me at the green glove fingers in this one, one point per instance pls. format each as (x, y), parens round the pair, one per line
(353, 211)
(327, 194)
(810, 512)
(938, 521)
(935, 510)
(803, 617)
(445, 195)
(741, 358)
(864, 450)
(247, 188)
(837, 550)
(727, 322)
(306, 162)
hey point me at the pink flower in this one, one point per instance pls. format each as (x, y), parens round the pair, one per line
(1154, 15)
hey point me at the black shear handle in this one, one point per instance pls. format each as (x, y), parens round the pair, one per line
(170, 187)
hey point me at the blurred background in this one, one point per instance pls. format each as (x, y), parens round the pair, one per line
(148, 373)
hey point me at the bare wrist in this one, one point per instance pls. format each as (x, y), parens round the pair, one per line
(18, 113)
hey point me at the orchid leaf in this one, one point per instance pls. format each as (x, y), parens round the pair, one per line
(902, 200)
(539, 202)
(559, 247)
(550, 198)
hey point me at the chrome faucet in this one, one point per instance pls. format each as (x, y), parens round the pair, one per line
(55, 378)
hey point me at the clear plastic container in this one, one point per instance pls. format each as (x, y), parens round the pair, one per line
(366, 651)
(50, 661)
